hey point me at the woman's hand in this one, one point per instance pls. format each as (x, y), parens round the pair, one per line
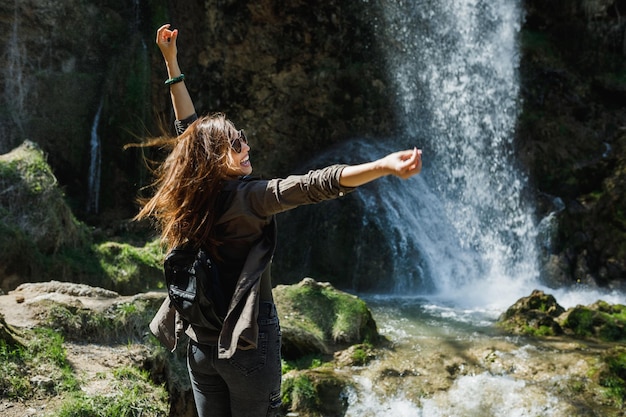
(403, 164)
(181, 101)
(166, 41)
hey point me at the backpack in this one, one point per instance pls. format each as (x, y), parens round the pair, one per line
(192, 281)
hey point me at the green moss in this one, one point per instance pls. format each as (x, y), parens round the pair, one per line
(539, 332)
(122, 323)
(361, 355)
(131, 269)
(606, 322)
(612, 375)
(43, 354)
(331, 314)
(580, 320)
(299, 393)
(134, 395)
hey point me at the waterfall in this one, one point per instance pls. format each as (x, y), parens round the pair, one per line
(463, 228)
(95, 162)
(455, 64)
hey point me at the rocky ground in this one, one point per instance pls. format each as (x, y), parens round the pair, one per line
(92, 362)
(427, 367)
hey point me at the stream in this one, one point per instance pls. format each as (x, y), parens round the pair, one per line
(453, 362)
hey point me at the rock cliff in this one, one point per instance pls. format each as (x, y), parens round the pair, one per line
(299, 79)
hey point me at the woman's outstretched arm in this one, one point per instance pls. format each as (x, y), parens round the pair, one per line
(181, 100)
(403, 164)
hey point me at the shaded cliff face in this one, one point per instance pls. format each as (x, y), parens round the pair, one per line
(297, 77)
(62, 60)
(571, 135)
(300, 78)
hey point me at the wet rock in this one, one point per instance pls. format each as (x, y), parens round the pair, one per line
(535, 315)
(600, 320)
(315, 392)
(540, 315)
(357, 355)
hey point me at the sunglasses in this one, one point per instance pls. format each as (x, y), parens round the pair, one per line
(236, 143)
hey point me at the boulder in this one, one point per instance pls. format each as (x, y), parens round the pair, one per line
(315, 393)
(535, 315)
(540, 315)
(316, 318)
(599, 320)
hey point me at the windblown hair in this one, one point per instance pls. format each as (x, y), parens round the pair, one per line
(188, 182)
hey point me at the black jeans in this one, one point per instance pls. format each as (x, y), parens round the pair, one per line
(246, 385)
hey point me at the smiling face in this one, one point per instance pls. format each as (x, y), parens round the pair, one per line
(239, 162)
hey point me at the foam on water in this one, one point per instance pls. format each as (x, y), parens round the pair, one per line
(482, 395)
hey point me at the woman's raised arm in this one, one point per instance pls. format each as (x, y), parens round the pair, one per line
(181, 100)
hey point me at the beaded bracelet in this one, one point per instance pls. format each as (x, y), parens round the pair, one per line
(175, 80)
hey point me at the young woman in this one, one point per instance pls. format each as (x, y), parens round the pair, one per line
(203, 197)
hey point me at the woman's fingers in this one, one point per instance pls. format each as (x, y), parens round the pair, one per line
(411, 163)
(161, 32)
(165, 35)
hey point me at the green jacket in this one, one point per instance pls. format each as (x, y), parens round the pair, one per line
(248, 229)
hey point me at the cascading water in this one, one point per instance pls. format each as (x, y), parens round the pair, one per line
(95, 162)
(462, 228)
(455, 64)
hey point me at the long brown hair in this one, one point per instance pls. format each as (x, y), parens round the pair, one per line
(188, 182)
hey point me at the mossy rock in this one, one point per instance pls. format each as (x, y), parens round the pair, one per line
(33, 203)
(35, 221)
(533, 315)
(128, 269)
(600, 320)
(315, 393)
(540, 315)
(610, 374)
(317, 318)
(41, 239)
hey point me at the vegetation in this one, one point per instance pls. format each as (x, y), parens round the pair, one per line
(305, 362)
(299, 393)
(122, 323)
(41, 239)
(330, 314)
(601, 320)
(611, 375)
(37, 368)
(134, 395)
(131, 269)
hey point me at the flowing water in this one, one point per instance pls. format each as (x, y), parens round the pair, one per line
(455, 67)
(464, 235)
(95, 164)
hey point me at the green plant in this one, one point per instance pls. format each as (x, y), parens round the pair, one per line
(133, 395)
(612, 375)
(299, 393)
(44, 355)
(305, 362)
(360, 355)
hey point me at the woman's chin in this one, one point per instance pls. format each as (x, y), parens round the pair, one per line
(247, 169)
